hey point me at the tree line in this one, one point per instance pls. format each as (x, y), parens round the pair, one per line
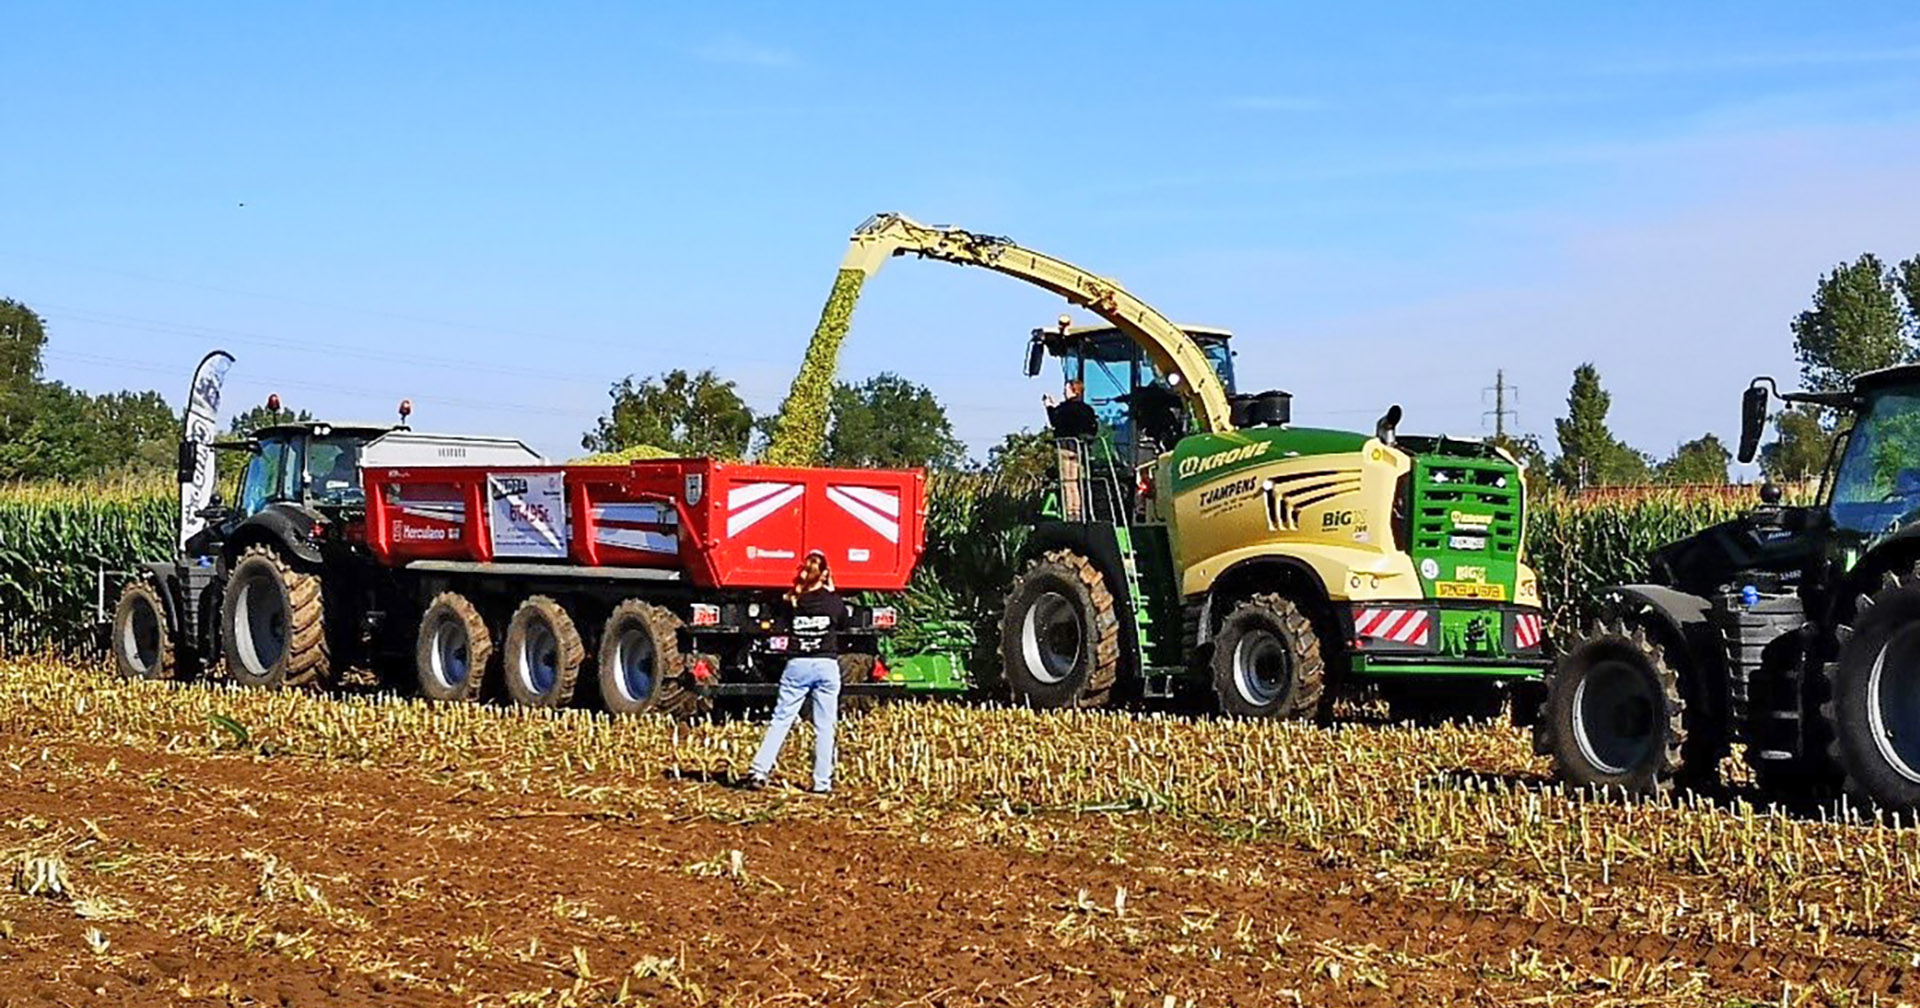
(1864, 315)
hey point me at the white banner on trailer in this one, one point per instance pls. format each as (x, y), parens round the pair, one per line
(528, 515)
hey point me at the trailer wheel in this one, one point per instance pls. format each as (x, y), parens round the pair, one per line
(641, 666)
(544, 654)
(1267, 661)
(453, 650)
(273, 626)
(142, 641)
(856, 668)
(1613, 714)
(1059, 636)
(1874, 706)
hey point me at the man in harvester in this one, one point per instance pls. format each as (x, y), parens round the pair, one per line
(817, 616)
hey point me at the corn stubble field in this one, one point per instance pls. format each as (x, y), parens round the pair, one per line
(195, 844)
(192, 844)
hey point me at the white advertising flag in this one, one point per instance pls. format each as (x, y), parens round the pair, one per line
(196, 433)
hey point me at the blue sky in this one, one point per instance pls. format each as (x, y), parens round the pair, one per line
(499, 209)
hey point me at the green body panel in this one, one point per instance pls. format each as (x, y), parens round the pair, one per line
(938, 662)
(1465, 527)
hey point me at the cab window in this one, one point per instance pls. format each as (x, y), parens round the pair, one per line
(333, 472)
(1877, 484)
(272, 474)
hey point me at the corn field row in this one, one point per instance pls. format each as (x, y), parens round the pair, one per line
(53, 540)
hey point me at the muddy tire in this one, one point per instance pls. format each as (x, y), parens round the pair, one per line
(143, 644)
(453, 650)
(1873, 705)
(856, 668)
(1060, 635)
(543, 656)
(1267, 662)
(1613, 714)
(273, 623)
(641, 667)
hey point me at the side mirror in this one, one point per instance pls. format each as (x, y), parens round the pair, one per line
(1753, 418)
(186, 463)
(1036, 355)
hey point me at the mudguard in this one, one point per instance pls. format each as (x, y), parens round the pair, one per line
(288, 526)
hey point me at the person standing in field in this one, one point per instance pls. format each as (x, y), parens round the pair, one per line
(817, 617)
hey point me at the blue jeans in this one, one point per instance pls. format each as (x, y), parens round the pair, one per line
(819, 677)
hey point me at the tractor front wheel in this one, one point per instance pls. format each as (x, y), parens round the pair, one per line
(1267, 661)
(1059, 635)
(142, 643)
(1612, 719)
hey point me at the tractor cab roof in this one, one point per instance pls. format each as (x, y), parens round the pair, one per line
(1899, 374)
(324, 428)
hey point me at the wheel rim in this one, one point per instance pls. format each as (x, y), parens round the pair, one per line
(140, 638)
(540, 657)
(1615, 716)
(261, 619)
(450, 653)
(1262, 667)
(633, 662)
(1051, 638)
(1893, 702)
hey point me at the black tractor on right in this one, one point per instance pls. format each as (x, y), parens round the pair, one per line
(1794, 630)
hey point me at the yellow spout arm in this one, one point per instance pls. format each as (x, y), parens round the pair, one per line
(1166, 345)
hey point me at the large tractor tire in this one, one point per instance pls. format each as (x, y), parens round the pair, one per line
(641, 667)
(1059, 634)
(453, 650)
(544, 654)
(143, 646)
(1267, 661)
(856, 668)
(1613, 714)
(273, 627)
(1873, 705)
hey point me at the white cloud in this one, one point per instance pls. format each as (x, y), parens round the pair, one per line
(733, 50)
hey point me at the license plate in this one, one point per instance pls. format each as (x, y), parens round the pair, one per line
(1470, 590)
(1467, 542)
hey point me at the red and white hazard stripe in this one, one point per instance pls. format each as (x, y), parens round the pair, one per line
(1413, 627)
(1526, 630)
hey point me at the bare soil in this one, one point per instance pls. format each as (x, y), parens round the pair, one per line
(199, 878)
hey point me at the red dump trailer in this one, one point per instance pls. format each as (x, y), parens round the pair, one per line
(482, 569)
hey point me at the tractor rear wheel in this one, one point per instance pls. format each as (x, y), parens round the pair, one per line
(1059, 634)
(641, 666)
(1874, 706)
(1612, 718)
(453, 650)
(1267, 661)
(142, 643)
(544, 654)
(274, 622)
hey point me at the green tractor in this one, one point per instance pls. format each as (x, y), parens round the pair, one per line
(1793, 631)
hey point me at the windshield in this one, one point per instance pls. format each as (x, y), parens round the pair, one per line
(1877, 486)
(272, 474)
(333, 471)
(1222, 360)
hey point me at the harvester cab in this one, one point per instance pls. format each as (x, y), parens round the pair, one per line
(1123, 385)
(1793, 630)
